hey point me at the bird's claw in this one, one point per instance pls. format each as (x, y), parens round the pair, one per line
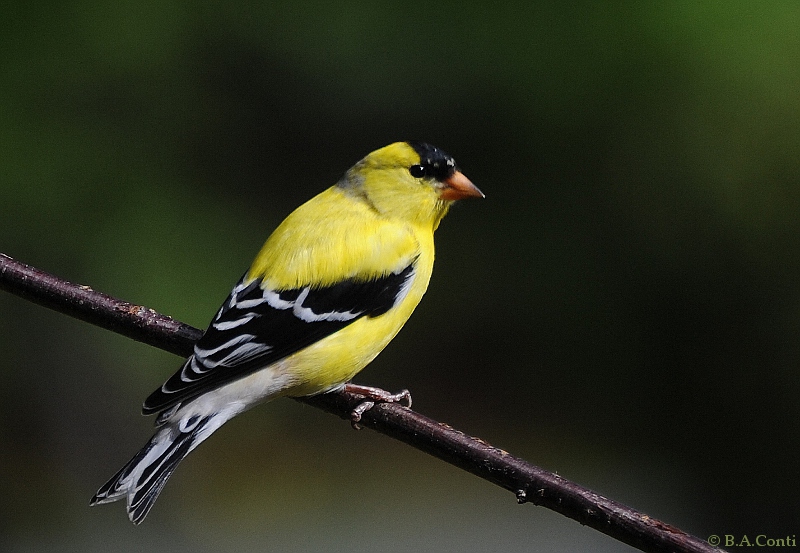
(360, 409)
(373, 395)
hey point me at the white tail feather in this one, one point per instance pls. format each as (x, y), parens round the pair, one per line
(142, 479)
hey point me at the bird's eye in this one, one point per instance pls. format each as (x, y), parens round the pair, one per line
(418, 171)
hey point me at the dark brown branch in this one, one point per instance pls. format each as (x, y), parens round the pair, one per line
(134, 321)
(529, 483)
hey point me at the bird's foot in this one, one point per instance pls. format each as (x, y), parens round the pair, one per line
(372, 396)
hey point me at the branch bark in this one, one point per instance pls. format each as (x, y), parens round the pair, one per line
(529, 483)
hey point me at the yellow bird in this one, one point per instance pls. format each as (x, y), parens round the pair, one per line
(330, 288)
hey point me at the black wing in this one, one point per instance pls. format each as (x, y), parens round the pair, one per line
(256, 327)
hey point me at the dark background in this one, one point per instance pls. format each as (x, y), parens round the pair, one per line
(623, 308)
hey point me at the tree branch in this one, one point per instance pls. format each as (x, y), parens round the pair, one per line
(529, 483)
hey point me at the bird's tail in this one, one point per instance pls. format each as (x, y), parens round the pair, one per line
(143, 478)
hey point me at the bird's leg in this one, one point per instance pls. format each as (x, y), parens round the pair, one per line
(373, 395)
(379, 395)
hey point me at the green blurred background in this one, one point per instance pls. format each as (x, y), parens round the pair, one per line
(623, 308)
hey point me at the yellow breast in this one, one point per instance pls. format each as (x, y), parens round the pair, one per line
(336, 359)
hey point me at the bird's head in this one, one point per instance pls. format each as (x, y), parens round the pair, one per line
(413, 181)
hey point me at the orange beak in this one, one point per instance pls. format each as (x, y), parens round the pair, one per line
(457, 187)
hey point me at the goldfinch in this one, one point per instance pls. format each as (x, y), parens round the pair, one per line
(332, 285)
